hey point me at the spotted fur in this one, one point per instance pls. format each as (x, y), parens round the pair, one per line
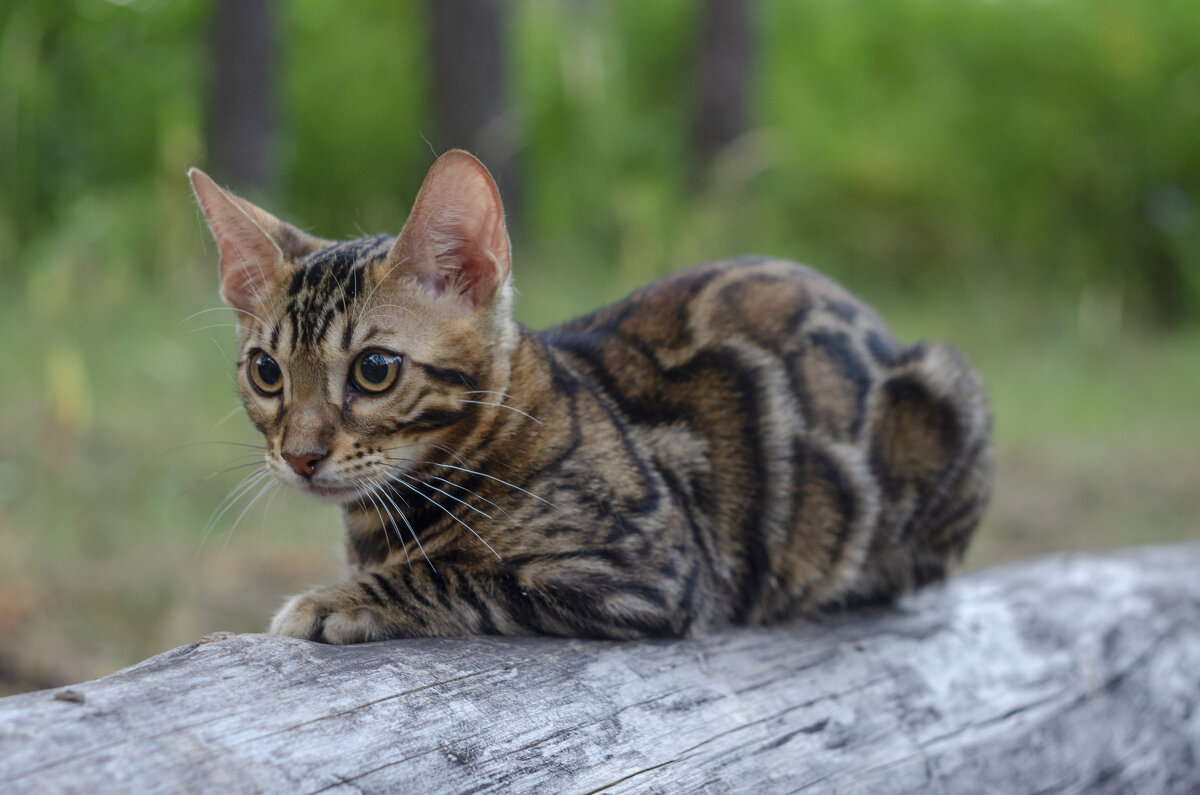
(737, 443)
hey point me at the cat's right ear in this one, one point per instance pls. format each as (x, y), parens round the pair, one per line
(252, 242)
(455, 240)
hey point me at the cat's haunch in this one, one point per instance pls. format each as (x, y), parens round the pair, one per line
(739, 442)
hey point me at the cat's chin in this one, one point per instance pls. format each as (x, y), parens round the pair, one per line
(337, 495)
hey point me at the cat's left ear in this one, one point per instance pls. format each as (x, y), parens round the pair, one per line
(254, 244)
(455, 239)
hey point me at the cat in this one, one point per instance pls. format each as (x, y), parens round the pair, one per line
(741, 442)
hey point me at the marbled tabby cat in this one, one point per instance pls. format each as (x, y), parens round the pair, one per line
(737, 443)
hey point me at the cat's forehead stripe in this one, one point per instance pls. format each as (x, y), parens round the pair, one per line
(324, 282)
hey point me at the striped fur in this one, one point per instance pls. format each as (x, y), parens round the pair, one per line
(737, 443)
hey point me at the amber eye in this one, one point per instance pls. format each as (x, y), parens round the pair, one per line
(375, 371)
(265, 374)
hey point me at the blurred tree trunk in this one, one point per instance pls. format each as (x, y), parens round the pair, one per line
(241, 116)
(723, 72)
(468, 91)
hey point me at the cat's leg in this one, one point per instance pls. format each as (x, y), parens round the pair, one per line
(397, 601)
(931, 453)
(390, 602)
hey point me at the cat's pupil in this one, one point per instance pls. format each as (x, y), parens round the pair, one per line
(268, 370)
(374, 368)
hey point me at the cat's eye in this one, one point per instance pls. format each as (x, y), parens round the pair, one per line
(375, 371)
(265, 374)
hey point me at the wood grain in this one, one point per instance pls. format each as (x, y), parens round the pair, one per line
(1068, 674)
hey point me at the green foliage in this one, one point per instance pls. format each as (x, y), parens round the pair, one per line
(1050, 143)
(95, 97)
(354, 91)
(905, 142)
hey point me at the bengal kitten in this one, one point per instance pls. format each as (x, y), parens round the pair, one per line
(737, 443)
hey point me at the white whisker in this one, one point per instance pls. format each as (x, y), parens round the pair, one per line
(503, 406)
(244, 487)
(370, 295)
(407, 476)
(487, 392)
(269, 487)
(262, 529)
(226, 419)
(468, 491)
(384, 493)
(256, 462)
(374, 311)
(448, 512)
(214, 325)
(364, 492)
(480, 474)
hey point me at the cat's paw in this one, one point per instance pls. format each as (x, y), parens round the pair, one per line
(328, 616)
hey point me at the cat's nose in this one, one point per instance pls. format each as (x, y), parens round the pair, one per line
(304, 464)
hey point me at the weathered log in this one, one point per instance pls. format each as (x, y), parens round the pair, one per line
(1073, 674)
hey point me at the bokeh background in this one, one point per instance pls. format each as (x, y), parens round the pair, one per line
(1021, 177)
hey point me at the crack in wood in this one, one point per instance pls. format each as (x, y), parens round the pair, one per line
(384, 699)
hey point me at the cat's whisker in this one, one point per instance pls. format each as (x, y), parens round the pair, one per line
(468, 491)
(375, 500)
(440, 491)
(262, 528)
(204, 312)
(270, 487)
(228, 364)
(223, 354)
(364, 492)
(447, 511)
(244, 487)
(404, 472)
(370, 295)
(222, 309)
(219, 472)
(246, 483)
(374, 310)
(366, 304)
(489, 392)
(234, 411)
(260, 448)
(441, 448)
(383, 492)
(480, 474)
(503, 406)
(217, 309)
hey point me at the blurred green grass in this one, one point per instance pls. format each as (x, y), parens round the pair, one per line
(1020, 178)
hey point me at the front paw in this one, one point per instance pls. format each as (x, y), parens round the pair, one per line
(329, 615)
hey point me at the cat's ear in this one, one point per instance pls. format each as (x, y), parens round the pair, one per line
(455, 239)
(253, 243)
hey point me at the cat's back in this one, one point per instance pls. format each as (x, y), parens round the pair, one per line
(738, 312)
(807, 445)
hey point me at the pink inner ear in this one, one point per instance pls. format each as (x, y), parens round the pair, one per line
(250, 259)
(455, 236)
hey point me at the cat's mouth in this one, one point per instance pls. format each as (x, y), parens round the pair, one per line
(327, 492)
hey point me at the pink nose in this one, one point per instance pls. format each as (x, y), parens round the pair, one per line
(304, 464)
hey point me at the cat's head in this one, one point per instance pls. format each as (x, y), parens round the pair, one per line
(361, 359)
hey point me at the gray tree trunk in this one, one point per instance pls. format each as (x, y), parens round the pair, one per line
(468, 91)
(1069, 674)
(724, 71)
(241, 113)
